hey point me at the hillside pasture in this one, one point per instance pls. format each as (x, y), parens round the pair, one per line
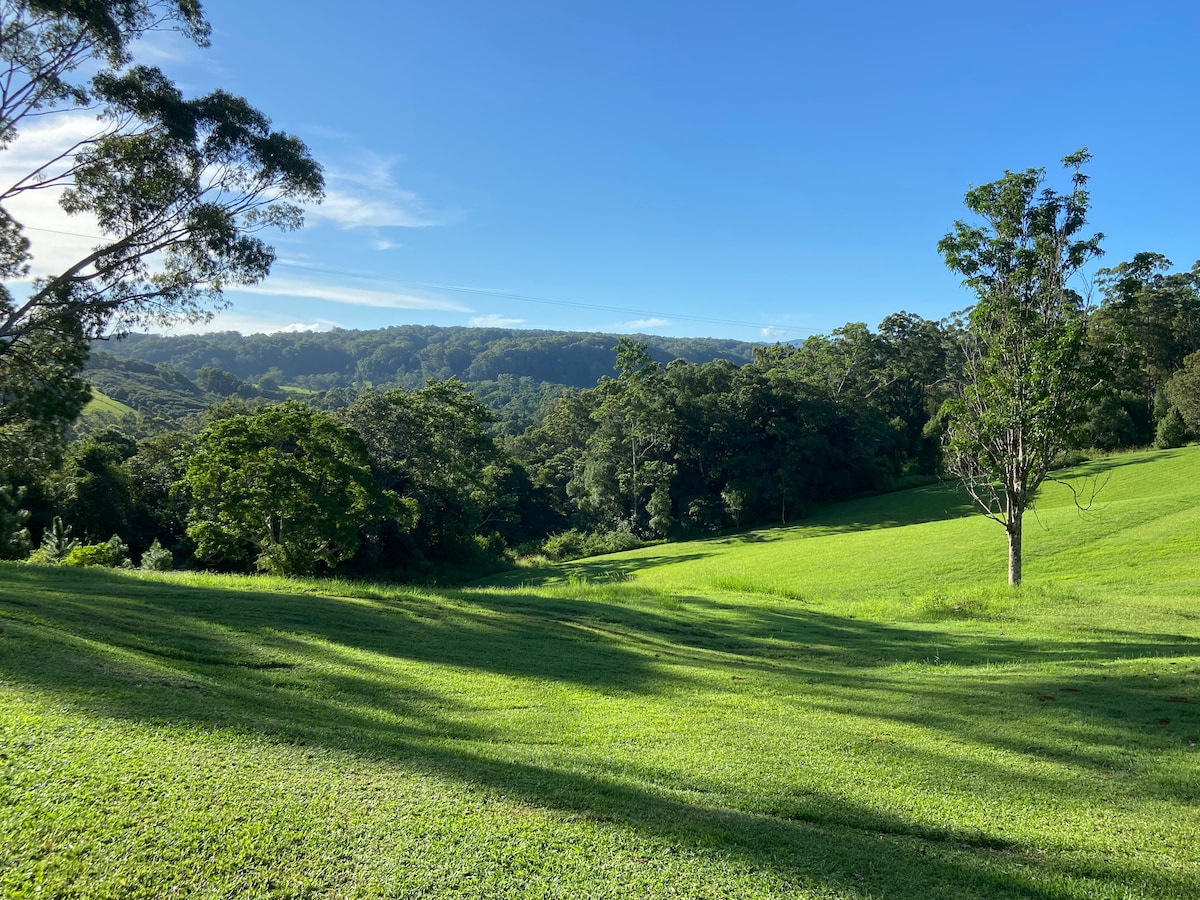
(856, 706)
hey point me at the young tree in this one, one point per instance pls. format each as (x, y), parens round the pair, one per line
(1027, 380)
(177, 190)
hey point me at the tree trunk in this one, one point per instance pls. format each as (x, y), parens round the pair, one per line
(1014, 550)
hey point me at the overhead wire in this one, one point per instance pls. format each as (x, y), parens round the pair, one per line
(768, 330)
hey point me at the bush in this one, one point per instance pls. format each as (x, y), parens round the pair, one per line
(568, 545)
(120, 550)
(89, 555)
(1110, 426)
(612, 542)
(1172, 431)
(574, 544)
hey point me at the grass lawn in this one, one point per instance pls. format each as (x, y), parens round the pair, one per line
(852, 707)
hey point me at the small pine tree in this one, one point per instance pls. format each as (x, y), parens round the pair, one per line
(56, 543)
(157, 558)
(1172, 431)
(15, 542)
(120, 549)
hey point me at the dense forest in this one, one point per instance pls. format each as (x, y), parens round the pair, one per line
(421, 453)
(409, 355)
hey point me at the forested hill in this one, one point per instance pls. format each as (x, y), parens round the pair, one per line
(408, 355)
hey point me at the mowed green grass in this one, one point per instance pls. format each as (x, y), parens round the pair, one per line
(101, 402)
(854, 707)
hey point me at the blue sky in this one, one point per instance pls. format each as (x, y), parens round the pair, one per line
(743, 170)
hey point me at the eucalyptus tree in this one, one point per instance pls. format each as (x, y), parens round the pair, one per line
(626, 457)
(1027, 378)
(175, 189)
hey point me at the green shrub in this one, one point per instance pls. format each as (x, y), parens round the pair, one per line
(612, 542)
(1172, 431)
(574, 544)
(120, 550)
(90, 555)
(568, 545)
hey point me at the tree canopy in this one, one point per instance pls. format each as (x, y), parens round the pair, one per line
(286, 488)
(178, 190)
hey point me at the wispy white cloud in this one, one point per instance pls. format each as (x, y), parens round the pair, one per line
(646, 323)
(57, 240)
(384, 244)
(494, 321)
(165, 46)
(247, 324)
(362, 192)
(772, 332)
(333, 293)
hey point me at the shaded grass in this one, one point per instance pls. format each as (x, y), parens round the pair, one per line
(835, 710)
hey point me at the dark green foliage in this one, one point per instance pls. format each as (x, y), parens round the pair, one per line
(179, 190)
(409, 355)
(1118, 421)
(162, 391)
(1153, 317)
(93, 489)
(433, 447)
(218, 382)
(286, 489)
(703, 447)
(575, 544)
(15, 541)
(1172, 431)
(1182, 391)
(41, 390)
(157, 515)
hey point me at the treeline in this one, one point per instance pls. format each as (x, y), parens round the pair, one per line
(419, 483)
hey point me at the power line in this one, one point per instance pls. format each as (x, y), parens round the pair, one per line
(572, 304)
(525, 298)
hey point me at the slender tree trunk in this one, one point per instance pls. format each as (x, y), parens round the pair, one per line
(1014, 550)
(633, 493)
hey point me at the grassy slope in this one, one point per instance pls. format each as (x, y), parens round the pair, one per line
(101, 402)
(852, 707)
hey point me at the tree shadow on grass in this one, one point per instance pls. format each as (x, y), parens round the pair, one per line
(845, 664)
(210, 626)
(1107, 464)
(791, 630)
(320, 671)
(591, 569)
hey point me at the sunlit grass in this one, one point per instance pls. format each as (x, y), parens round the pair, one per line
(102, 403)
(852, 707)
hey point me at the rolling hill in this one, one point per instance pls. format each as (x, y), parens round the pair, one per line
(856, 706)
